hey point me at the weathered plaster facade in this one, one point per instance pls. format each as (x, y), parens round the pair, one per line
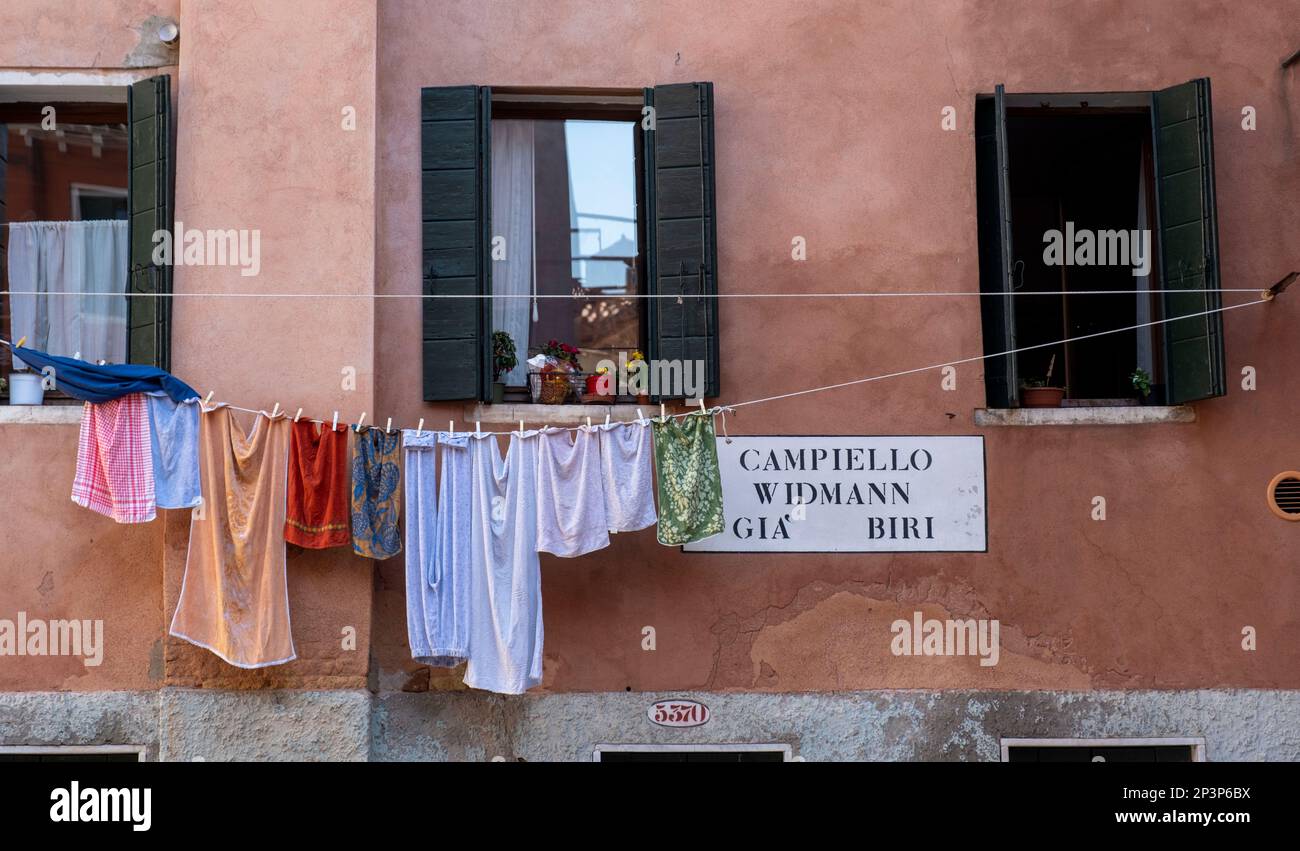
(827, 128)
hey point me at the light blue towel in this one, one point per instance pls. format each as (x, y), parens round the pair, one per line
(174, 440)
(437, 547)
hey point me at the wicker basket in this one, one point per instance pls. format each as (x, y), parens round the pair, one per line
(554, 388)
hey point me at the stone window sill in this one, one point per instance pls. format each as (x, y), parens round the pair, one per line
(556, 415)
(40, 414)
(1081, 416)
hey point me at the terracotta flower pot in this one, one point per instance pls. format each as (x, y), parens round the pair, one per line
(1041, 397)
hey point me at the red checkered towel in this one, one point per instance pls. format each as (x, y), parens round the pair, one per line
(114, 460)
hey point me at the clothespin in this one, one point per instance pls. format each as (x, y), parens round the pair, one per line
(206, 402)
(420, 428)
(521, 428)
(275, 410)
(21, 340)
(335, 426)
(361, 420)
(477, 432)
(640, 418)
(703, 410)
(388, 427)
(663, 415)
(451, 426)
(588, 422)
(607, 419)
(77, 356)
(297, 415)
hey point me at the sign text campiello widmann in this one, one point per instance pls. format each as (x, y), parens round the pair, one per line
(851, 494)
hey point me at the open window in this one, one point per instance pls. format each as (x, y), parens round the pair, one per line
(557, 210)
(85, 181)
(1096, 213)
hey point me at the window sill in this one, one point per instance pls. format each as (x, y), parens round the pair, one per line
(40, 414)
(1079, 416)
(557, 415)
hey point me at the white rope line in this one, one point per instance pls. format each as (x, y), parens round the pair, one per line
(588, 296)
(996, 354)
(732, 406)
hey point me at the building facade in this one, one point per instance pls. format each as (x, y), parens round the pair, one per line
(1136, 551)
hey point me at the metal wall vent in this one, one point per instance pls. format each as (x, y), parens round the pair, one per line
(1284, 495)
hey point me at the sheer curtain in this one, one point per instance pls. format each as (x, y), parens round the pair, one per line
(86, 259)
(512, 218)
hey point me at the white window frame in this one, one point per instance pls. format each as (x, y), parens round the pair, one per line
(90, 190)
(1196, 743)
(73, 750)
(786, 751)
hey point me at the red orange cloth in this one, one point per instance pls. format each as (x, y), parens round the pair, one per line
(319, 513)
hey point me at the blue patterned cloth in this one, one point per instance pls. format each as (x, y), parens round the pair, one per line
(376, 498)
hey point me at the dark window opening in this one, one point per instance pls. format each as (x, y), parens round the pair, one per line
(1088, 192)
(691, 756)
(1074, 173)
(1109, 753)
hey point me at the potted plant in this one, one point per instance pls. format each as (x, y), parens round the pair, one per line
(1141, 380)
(636, 365)
(26, 388)
(556, 377)
(504, 359)
(1039, 392)
(598, 389)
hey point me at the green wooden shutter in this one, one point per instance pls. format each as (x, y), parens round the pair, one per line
(682, 250)
(150, 210)
(1189, 240)
(455, 192)
(993, 200)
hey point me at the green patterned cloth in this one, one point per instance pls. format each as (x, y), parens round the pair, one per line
(690, 486)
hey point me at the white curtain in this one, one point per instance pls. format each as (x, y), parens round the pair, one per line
(512, 218)
(69, 280)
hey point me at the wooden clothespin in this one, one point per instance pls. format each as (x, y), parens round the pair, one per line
(588, 422)
(703, 410)
(297, 415)
(335, 426)
(521, 428)
(207, 401)
(361, 420)
(451, 427)
(420, 428)
(275, 410)
(663, 414)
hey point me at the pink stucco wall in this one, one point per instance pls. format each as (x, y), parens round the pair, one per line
(827, 128)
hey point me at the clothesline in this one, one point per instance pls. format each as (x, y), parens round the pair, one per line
(723, 409)
(583, 295)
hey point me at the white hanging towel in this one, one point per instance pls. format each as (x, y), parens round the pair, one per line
(570, 496)
(505, 641)
(627, 464)
(437, 586)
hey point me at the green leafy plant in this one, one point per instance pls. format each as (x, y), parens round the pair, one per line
(1141, 381)
(504, 357)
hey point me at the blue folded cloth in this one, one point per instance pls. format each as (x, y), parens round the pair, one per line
(94, 383)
